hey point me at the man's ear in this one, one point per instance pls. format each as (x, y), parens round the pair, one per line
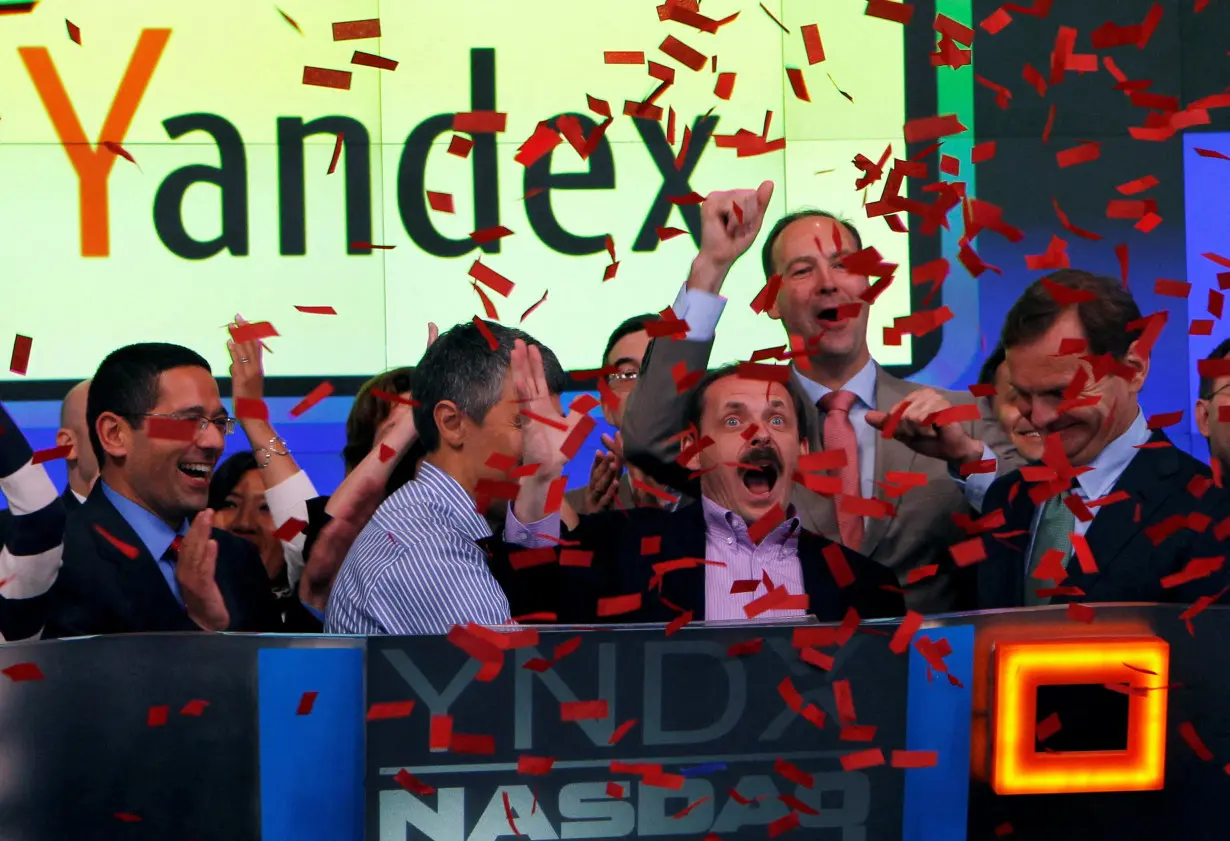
(66, 438)
(450, 422)
(115, 434)
(684, 443)
(1202, 417)
(804, 446)
(1138, 363)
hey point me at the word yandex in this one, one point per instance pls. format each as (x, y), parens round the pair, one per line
(93, 162)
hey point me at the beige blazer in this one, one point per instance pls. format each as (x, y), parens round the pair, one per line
(917, 535)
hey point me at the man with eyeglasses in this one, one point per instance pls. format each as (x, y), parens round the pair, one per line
(610, 484)
(1214, 397)
(141, 553)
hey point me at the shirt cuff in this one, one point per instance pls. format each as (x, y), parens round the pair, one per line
(319, 614)
(701, 310)
(288, 498)
(529, 536)
(976, 485)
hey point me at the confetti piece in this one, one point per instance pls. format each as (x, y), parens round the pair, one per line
(306, 702)
(472, 743)
(914, 758)
(289, 530)
(844, 698)
(356, 29)
(901, 13)
(784, 824)
(313, 397)
(859, 760)
(682, 53)
(51, 454)
(20, 360)
(460, 146)
(157, 716)
(616, 605)
(323, 77)
(772, 17)
(583, 710)
(289, 20)
(440, 733)
(1050, 123)
(390, 709)
(365, 246)
(1212, 153)
(20, 672)
(1080, 612)
(492, 279)
(194, 708)
(905, 632)
(1081, 154)
(797, 84)
(337, 153)
(923, 129)
(535, 765)
(1188, 731)
(127, 817)
(370, 60)
(623, 57)
(413, 784)
(480, 122)
(994, 23)
(74, 32)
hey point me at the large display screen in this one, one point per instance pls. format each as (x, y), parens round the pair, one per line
(227, 204)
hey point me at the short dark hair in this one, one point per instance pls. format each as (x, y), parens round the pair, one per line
(766, 251)
(627, 327)
(1206, 383)
(695, 406)
(369, 411)
(1105, 318)
(227, 475)
(460, 366)
(126, 383)
(986, 375)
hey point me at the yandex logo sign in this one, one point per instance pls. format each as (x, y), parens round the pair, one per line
(93, 162)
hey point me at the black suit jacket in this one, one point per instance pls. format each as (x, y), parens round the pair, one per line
(1130, 567)
(102, 591)
(618, 568)
(71, 503)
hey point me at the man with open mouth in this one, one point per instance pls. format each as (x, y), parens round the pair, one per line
(818, 286)
(141, 553)
(738, 553)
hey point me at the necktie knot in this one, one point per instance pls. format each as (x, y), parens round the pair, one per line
(837, 401)
(172, 553)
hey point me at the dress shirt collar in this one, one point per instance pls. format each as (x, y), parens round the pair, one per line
(1109, 464)
(863, 384)
(448, 491)
(724, 522)
(154, 534)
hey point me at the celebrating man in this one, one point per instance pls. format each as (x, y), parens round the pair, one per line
(820, 302)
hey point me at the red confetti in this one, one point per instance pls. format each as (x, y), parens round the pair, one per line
(413, 784)
(859, 760)
(20, 672)
(440, 202)
(74, 32)
(844, 698)
(370, 60)
(289, 20)
(535, 765)
(682, 53)
(794, 773)
(480, 122)
(313, 397)
(323, 77)
(621, 731)
(20, 359)
(922, 129)
(616, 605)
(914, 758)
(389, 709)
(623, 57)
(811, 42)
(157, 716)
(51, 454)
(290, 529)
(901, 13)
(797, 84)
(194, 708)
(306, 702)
(905, 632)
(316, 310)
(1189, 734)
(356, 29)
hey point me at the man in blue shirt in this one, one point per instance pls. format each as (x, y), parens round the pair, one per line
(141, 553)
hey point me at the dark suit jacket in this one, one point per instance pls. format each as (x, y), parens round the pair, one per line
(918, 534)
(618, 568)
(1130, 567)
(101, 591)
(70, 500)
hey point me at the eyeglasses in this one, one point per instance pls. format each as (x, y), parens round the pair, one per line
(622, 380)
(1213, 394)
(223, 424)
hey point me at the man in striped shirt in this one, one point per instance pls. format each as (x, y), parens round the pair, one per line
(31, 535)
(418, 566)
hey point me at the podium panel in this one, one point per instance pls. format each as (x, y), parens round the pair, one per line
(722, 731)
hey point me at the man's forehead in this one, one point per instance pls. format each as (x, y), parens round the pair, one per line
(755, 394)
(189, 385)
(812, 235)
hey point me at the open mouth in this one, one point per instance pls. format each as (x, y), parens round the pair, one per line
(760, 476)
(828, 315)
(197, 470)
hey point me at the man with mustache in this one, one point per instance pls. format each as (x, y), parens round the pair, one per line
(737, 553)
(808, 257)
(141, 553)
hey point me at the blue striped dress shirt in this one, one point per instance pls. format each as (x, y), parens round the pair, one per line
(416, 567)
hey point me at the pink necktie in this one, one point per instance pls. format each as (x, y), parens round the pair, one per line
(839, 435)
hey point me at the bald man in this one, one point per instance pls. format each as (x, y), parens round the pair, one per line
(74, 433)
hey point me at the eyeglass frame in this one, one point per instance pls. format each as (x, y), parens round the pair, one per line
(621, 377)
(1213, 394)
(204, 421)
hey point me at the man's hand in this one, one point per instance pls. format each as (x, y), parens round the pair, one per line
(540, 442)
(730, 220)
(603, 484)
(949, 442)
(194, 570)
(247, 367)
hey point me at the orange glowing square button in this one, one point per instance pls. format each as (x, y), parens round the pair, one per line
(1020, 667)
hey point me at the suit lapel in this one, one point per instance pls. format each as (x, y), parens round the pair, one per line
(685, 538)
(822, 596)
(890, 456)
(1146, 480)
(140, 580)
